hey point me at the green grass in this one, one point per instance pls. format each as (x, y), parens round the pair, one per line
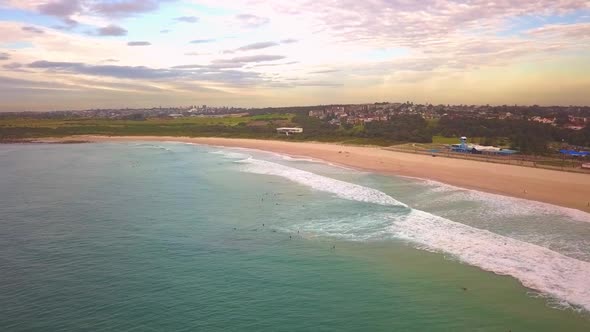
(455, 140)
(273, 116)
(152, 122)
(257, 126)
(502, 142)
(444, 140)
(559, 163)
(432, 123)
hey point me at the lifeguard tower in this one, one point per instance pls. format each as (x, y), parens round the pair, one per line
(463, 144)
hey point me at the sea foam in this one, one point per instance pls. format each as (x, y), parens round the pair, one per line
(342, 189)
(536, 267)
(504, 205)
(153, 146)
(231, 154)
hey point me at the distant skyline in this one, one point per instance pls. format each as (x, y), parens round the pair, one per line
(80, 54)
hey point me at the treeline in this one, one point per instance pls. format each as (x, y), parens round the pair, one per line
(401, 128)
(526, 136)
(9, 133)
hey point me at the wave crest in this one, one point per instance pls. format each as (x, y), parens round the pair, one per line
(342, 189)
(536, 267)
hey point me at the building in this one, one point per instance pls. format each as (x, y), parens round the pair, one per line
(463, 147)
(289, 130)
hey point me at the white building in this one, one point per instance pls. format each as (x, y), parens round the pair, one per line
(289, 130)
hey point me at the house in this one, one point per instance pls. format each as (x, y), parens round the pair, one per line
(289, 130)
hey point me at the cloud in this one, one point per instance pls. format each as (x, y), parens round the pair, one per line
(275, 64)
(412, 23)
(124, 8)
(302, 83)
(202, 41)
(579, 30)
(258, 58)
(252, 59)
(32, 29)
(377, 42)
(318, 83)
(237, 62)
(213, 72)
(111, 30)
(326, 71)
(257, 46)
(63, 8)
(9, 86)
(132, 72)
(28, 95)
(187, 19)
(14, 66)
(4, 56)
(251, 21)
(139, 43)
(253, 46)
(213, 66)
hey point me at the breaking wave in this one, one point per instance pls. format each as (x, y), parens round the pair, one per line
(231, 154)
(534, 266)
(153, 146)
(342, 189)
(559, 277)
(504, 205)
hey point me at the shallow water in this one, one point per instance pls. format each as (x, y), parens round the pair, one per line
(170, 236)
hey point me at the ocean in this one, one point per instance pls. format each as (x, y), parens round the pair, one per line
(151, 236)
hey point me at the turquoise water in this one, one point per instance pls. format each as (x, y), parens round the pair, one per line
(173, 237)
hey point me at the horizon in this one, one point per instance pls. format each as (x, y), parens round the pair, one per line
(92, 54)
(286, 106)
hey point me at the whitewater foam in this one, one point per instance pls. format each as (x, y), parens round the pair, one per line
(536, 267)
(557, 276)
(342, 189)
(231, 154)
(563, 281)
(502, 205)
(153, 146)
(290, 158)
(356, 227)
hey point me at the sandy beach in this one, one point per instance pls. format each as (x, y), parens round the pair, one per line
(560, 188)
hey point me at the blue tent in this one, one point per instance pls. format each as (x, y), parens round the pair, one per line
(574, 153)
(507, 152)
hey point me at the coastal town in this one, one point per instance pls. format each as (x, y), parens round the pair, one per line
(574, 118)
(568, 117)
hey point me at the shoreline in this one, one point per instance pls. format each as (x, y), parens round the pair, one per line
(564, 189)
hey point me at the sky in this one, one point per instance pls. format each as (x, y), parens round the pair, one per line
(80, 54)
